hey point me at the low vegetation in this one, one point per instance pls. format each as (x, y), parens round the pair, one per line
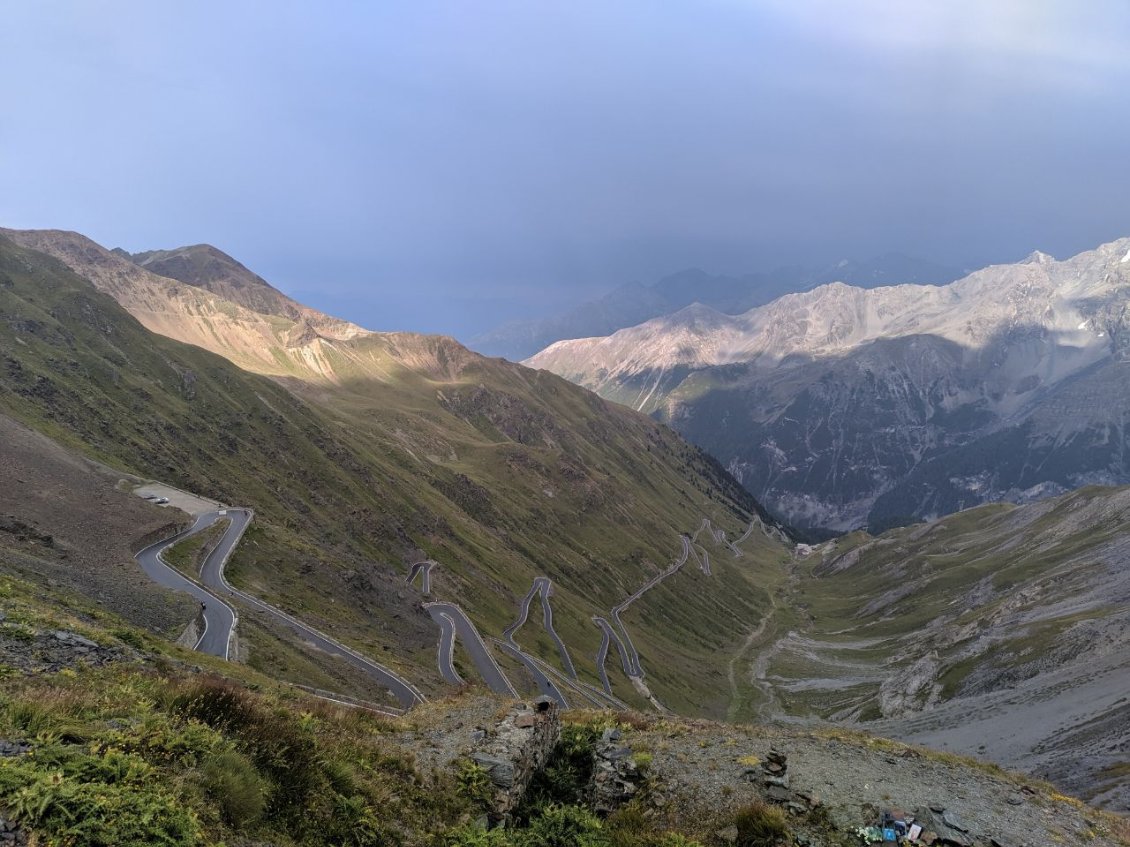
(188, 556)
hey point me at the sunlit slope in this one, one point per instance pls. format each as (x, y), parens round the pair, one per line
(419, 449)
(260, 330)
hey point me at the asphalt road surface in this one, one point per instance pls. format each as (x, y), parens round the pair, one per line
(212, 576)
(461, 625)
(219, 617)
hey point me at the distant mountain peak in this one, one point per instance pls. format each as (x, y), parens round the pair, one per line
(634, 303)
(845, 404)
(1038, 257)
(210, 268)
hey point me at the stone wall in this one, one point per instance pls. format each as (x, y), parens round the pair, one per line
(519, 747)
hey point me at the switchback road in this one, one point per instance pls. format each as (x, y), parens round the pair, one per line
(457, 623)
(219, 617)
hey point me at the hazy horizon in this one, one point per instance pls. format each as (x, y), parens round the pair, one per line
(445, 167)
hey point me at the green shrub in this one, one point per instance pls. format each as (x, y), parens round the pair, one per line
(475, 784)
(475, 836)
(162, 740)
(235, 786)
(74, 806)
(562, 826)
(111, 766)
(760, 825)
(564, 778)
(353, 823)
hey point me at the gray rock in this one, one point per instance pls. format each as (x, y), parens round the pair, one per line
(501, 772)
(617, 753)
(729, 835)
(952, 821)
(778, 794)
(74, 638)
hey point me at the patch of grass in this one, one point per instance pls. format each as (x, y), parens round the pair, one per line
(188, 556)
(234, 784)
(760, 825)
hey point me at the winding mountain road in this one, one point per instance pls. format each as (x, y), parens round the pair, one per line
(220, 618)
(618, 633)
(446, 649)
(425, 568)
(453, 622)
(542, 586)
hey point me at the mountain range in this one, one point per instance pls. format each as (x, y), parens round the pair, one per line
(368, 455)
(362, 453)
(635, 302)
(842, 406)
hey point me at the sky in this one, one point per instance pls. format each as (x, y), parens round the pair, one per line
(447, 166)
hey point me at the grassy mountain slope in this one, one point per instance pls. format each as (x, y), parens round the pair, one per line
(1000, 631)
(420, 449)
(115, 737)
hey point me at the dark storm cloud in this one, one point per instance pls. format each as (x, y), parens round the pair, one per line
(441, 166)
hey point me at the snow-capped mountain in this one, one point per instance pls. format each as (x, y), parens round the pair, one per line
(843, 405)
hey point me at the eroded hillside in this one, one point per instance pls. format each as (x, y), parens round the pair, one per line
(999, 632)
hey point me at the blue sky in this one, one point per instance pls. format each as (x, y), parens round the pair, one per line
(443, 166)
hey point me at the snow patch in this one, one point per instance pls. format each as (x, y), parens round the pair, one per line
(1125, 258)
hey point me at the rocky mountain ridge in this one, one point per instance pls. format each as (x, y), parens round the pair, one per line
(259, 328)
(635, 302)
(838, 404)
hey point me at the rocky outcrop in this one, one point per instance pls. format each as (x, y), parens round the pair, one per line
(519, 747)
(616, 778)
(39, 651)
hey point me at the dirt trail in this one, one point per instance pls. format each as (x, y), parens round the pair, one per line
(757, 667)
